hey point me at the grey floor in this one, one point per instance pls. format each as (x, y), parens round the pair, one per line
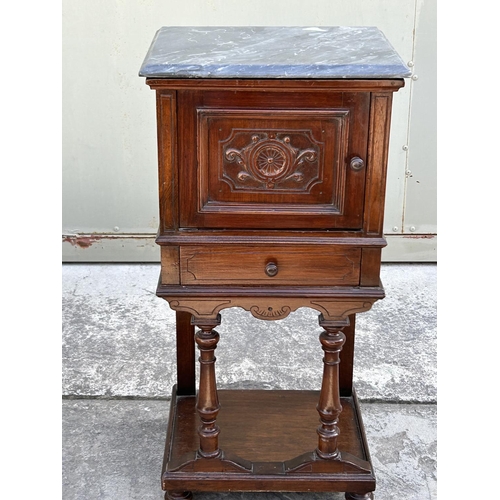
(119, 367)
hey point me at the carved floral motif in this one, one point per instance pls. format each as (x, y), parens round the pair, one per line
(270, 161)
(277, 308)
(270, 312)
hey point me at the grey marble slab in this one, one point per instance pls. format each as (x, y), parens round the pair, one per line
(272, 52)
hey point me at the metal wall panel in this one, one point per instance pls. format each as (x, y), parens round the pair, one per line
(109, 136)
(421, 173)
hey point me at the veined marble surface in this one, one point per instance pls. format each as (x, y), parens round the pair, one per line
(272, 52)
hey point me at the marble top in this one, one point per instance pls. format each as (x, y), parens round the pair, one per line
(272, 52)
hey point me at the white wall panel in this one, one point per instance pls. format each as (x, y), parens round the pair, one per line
(109, 136)
(421, 179)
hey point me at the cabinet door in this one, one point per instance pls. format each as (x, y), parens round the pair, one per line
(275, 160)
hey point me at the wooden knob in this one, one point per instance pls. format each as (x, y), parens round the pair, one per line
(271, 269)
(357, 163)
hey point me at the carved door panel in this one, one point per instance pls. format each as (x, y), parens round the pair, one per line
(272, 160)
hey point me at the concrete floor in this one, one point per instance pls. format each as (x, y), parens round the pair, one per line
(119, 367)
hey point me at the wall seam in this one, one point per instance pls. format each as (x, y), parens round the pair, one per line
(408, 133)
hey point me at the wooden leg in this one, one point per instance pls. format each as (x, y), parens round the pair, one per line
(357, 496)
(186, 374)
(178, 495)
(347, 359)
(207, 403)
(329, 407)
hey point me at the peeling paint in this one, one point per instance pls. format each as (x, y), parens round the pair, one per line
(86, 241)
(81, 241)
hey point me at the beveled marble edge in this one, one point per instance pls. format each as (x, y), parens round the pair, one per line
(285, 71)
(272, 52)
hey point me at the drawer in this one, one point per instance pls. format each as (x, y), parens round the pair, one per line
(269, 265)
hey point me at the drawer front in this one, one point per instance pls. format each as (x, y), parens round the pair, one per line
(272, 160)
(268, 265)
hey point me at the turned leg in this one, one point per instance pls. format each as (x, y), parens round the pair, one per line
(207, 403)
(329, 407)
(357, 496)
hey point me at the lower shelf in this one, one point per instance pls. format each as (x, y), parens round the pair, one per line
(268, 440)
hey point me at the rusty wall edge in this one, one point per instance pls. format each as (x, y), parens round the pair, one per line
(110, 248)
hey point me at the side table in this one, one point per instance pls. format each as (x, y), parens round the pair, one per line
(272, 153)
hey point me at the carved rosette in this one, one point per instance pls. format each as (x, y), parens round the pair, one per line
(270, 161)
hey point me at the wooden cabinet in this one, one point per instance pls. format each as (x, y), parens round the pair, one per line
(271, 198)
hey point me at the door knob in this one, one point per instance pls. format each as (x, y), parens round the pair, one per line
(357, 163)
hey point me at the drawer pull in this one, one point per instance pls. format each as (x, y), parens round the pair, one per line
(271, 269)
(357, 163)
